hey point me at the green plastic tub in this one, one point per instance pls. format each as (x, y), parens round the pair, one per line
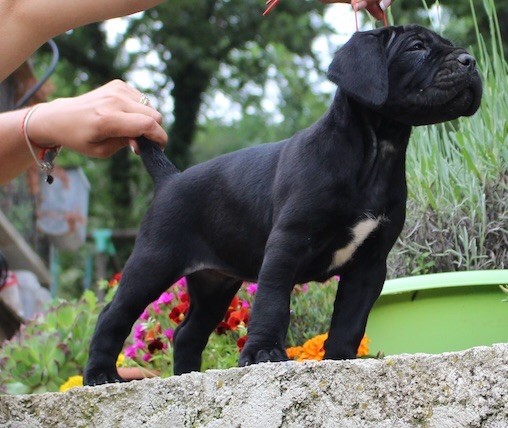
(440, 313)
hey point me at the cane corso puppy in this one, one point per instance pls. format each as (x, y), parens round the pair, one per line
(328, 201)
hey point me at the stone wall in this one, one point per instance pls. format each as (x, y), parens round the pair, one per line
(463, 389)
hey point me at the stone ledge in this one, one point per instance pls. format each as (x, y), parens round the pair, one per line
(459, 389)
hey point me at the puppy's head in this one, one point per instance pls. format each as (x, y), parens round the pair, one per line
(408, 73)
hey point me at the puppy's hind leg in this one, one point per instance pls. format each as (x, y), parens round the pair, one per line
(210, 295)
(145, 277)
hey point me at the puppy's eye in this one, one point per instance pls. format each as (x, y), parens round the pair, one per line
(417, 46)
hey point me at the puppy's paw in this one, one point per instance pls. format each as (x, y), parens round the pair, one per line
(254, 355)
(94, 377)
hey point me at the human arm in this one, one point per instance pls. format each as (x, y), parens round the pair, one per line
(27, 24)
(96, 124)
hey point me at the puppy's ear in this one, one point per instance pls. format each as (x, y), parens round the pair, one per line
(360, 69)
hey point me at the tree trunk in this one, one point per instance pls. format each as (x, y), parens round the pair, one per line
(189, 86)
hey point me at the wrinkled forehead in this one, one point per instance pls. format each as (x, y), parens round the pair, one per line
(399, 36)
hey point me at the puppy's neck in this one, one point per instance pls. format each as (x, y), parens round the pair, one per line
(375, 126)
(379, 143)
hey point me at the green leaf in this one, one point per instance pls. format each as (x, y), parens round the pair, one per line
(17, 388)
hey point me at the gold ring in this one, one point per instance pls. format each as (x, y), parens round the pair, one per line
(144, 100)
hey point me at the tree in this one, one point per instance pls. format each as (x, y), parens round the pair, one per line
(200, 45)
(195, 38)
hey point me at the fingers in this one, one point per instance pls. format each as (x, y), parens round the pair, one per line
(121, 118)
(98, 123)
(375, 7)
(128, 126)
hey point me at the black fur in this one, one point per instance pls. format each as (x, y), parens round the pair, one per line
(277, 213)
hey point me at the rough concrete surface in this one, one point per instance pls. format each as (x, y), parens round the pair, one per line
(462, 389)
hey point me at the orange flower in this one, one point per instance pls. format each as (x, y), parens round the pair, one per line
(363, 349)
(294, 352)
(314, 349)
(153, 333)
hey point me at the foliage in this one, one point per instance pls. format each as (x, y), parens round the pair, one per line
(50, 348)
(458, 19)
(458, 183)
(202, 44)
(152, 338)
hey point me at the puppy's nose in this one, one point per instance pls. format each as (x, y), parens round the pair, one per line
(467, 60)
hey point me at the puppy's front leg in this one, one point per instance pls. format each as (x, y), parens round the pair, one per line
(270, 314)
(357, 292)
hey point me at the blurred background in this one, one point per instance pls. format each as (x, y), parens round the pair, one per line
(225, 77)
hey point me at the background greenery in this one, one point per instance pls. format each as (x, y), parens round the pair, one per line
(214, 50)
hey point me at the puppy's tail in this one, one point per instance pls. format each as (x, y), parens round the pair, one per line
(156, 163)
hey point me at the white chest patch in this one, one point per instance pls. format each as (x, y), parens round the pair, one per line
(360, 233)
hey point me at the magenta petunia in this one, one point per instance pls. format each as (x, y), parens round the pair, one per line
(169, 333)
(156, 308)
(130, 352)
(165, 298)
(139, 344)
(182, 282)
(139, 331)
(252, 288)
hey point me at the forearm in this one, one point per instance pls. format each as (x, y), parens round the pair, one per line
(14, 153)
(27, 24)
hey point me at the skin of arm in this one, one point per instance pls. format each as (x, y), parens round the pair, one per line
(95, 124)
(27, 24)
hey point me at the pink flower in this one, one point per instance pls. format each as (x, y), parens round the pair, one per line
(145, 315)
(147, 357)
(139, 344)
(304, 288)
(245, 304)
(139, 331)
(130, 352)
(182, 282)
(165, 298)
(169, 333)
(156, 308)
(252, 288)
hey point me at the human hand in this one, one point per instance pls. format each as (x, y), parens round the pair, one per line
(375, 7)
(98, 123)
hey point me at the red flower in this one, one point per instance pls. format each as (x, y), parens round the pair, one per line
(241, 342)
(238, 317)
(177, 314)
(222, 328)
(155, 345)
(115, 279)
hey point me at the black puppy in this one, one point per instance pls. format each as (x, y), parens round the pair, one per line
(328, 201)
